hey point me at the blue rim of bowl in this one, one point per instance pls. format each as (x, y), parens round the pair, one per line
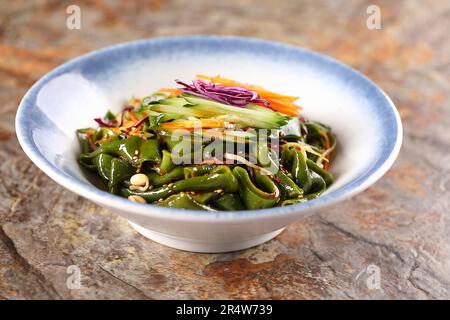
(116, 202)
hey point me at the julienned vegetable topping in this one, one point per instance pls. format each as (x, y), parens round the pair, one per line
(212, 144)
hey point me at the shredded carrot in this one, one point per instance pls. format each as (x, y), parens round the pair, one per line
(327, 146)
(173, 91)
(133, 116)
(192, 124)
(261, 91)
(278, 102)
(284, 107)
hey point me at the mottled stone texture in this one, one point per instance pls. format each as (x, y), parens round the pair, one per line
(401, 224)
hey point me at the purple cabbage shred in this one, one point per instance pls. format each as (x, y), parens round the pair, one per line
(106, 123)
(231, 95)
(122, 116)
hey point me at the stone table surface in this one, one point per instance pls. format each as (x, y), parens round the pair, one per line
(399, 227)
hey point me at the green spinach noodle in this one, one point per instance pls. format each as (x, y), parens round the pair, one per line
(214, 145)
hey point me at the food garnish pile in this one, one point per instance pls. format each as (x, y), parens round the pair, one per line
(212, 144)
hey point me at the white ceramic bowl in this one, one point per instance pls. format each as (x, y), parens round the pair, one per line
(366, 123)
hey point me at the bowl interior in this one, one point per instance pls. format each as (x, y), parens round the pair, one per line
(362, 117)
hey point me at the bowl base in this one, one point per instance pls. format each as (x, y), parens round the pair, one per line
(195, 245)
